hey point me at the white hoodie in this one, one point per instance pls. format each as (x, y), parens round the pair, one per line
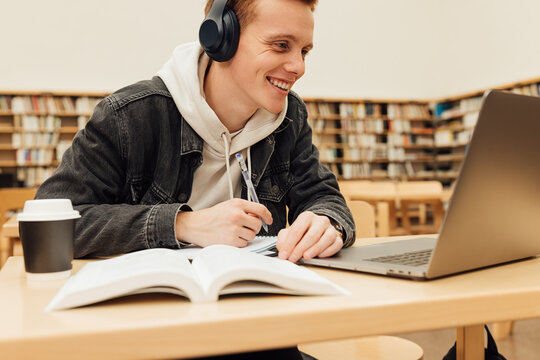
(218, 178)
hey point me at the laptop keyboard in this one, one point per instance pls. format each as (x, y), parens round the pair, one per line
(413, 258)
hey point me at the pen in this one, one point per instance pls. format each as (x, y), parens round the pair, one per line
(249, 184)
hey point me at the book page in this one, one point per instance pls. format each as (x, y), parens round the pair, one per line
(220, 265)
(128, 274)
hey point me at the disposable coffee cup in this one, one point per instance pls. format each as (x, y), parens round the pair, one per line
(46, 230)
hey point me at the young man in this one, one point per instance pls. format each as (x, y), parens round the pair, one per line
(155, 165)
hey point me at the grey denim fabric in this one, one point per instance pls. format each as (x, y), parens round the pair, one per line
(130, 171)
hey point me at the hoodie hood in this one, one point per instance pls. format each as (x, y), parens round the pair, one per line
(183, 75)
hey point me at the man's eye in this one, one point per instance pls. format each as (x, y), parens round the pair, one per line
(282, 45)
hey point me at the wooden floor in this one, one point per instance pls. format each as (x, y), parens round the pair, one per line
(522, 344)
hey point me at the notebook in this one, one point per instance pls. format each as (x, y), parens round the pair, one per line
(262, 244)
(493, 215)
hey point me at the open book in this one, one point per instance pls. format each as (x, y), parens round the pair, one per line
(216, 270)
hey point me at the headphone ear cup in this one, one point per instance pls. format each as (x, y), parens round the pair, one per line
(231, 36)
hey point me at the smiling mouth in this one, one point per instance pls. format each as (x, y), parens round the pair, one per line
(279, 84)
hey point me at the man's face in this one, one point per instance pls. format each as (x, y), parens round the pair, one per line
(271, 52)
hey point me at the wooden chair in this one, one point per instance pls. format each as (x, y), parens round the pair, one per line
(348, 187)
(11, 199)
(364, 218)
(502, 329)
(420, 194)
(372, 347)
(381, 194)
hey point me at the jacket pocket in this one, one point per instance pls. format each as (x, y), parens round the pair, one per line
(275, 182)
(153, 196)
(137, 190)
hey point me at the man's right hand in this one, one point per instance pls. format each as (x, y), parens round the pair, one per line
(232, 222)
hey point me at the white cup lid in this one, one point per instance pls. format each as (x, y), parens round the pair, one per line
(48, 210)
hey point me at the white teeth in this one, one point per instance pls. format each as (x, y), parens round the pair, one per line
(280, 84)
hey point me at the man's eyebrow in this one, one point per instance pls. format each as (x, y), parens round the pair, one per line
(289, 37)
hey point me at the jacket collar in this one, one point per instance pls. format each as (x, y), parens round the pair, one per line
(191, 141)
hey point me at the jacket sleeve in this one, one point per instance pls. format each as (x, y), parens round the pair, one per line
(93, 175)
(315, 188)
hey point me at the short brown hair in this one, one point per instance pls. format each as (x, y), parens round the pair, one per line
(245, 9)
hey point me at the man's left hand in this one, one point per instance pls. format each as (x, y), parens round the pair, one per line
(309, 236)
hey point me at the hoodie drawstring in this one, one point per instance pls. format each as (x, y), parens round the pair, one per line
(227, 156)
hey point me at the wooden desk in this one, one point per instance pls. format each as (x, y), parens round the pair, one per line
(8, 236)
(11, 228)
(165, 326)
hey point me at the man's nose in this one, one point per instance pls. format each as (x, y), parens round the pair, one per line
(296, 64)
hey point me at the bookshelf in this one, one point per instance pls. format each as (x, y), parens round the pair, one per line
(374, 139)
(369, 139)
(454, 121)
(36, 128)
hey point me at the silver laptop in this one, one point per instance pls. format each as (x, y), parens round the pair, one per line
(494, 214)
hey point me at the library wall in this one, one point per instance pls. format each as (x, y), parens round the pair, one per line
(486, 43)
(393, 49)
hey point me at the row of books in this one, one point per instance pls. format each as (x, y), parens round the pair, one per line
(353, 125)
(399, 126)
(61, 148)
(372, 154)
(391, 140)
(359, 140)
(85, 104)
(397, 140)
(392, 170)
(328, 154)
(48, 104)
(408, 111)
(368, 109)
(32, 139)
(531, 90)
(34, 157)
(319, 139)
(470, 119)
(322, 124)
(34, 176)
(354, 171)
(5, 103)
(382, 153)
(458, 108)
(316, 109)
(461, 107)
(82, 120)
(392, 110)
(445, 137)
(378, 126)
(37, 123)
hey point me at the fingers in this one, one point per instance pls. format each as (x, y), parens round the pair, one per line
(309, 236)
(249, 221)
(313, 230)
(290, 237)
(257, 209)
(322, 252)
(247, 234)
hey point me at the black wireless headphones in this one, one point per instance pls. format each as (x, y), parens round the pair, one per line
(219, 32)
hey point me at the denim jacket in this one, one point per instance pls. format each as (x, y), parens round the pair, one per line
(130, 171)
